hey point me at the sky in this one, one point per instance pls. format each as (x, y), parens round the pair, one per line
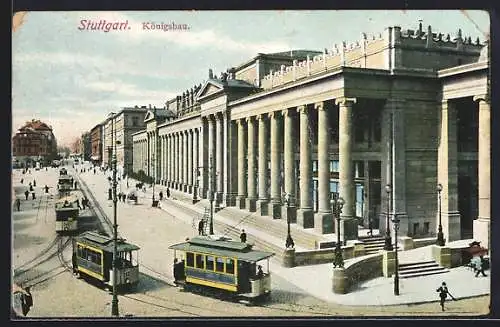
(72, 79)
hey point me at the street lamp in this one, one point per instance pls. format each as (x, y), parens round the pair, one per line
(337, 204)
(289, 240)
(114, 302)
(440, 236)
(395, 221)
(388, 240)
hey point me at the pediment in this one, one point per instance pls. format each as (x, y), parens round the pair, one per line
(209, 88)
(149, 115)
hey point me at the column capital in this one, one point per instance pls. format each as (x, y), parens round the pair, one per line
(319, 106)
(287, 112)
(481, 97)
(249, 119)
(274, 114)
(261, 117)
(241, 121)
(343, 101)
(302, 109)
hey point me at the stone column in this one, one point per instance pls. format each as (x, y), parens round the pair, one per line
(163, 159)
(399, 166)
(263, 169)
(185, 172)
(289, 211)
(275, 205)
(305, 216)
(448, 173)
(481, 226)
(219, 161)
(348, 225)
(251, 159)
(181, 161)
(204, 145)
(323, 220)
(211, 157)
(189, 161)
(169, 161)
(242, 172)
(196, 164)
(178, 156)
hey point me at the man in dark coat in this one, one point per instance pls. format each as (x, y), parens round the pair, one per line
(481, 265)
(168, 193)
(200, 227)
(18, 204)
(161, 195)
(46, 189)
(243, 236)
(443, 293)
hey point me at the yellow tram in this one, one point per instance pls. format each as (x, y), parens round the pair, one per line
(64, 185)
(223, 264)
(93, 257)
(67, 212)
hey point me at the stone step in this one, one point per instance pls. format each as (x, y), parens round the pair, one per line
(416, 264)
(420, 274)
(420, 269)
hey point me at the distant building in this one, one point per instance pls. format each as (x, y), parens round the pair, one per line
(85, 146)
(96, 142)
(34, 142)
(120, 127)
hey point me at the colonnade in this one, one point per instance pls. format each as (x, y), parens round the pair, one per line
(261, 140)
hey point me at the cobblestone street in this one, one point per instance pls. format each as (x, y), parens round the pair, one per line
(154, 230)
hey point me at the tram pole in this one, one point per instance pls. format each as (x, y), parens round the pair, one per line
(114, 302)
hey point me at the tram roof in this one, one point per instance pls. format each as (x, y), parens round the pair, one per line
(223, 248)
(105, 242)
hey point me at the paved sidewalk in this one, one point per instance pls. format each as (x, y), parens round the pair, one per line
(316, 280)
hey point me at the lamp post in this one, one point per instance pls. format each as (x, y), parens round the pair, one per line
(388, 240)
(114, 302)
(195, 188)
(440, 236)
(395, 221)
(337, 204)
(289, 240)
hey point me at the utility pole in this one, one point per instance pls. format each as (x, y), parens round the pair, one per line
(114, 302)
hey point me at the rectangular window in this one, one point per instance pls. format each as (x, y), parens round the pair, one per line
(189, 259)
(426, 228)
(199, 261)
(219, 265)
(315, 165)
(415, 229)
(334, 165)
(209, 264)
(229, 266)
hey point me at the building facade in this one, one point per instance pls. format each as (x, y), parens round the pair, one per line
(34, 142)
(118, 128)
(96, 144)
(380, 122)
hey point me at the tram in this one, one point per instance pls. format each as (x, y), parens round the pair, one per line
(64, 185)
(67, 212)
(216, 262)
(93, 258)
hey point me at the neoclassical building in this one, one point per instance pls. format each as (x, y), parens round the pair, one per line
(405, 108)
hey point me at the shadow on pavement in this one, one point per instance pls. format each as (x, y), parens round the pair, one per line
(25, 240)
(19, 215)
(149, 283)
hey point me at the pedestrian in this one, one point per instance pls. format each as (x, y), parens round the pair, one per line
(160, 195)
(200, 227)
(74, 263)
(31, 187)
(260, 272)
(480, 266)
(94, 171)
(27, 301)
(83, 204)
(176, 271)
(110, 194)
(243, 236)
(18, 204)
(76, 185)
(46, 189)
(443, 293)
(370, 226)
(168, 193)
(34, 183)
(33, 197)
(78, 204)
(22, 180)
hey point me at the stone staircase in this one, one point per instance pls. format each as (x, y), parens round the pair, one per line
(417, 269)
(373, 244)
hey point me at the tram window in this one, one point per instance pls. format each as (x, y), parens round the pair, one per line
(190, 259)
(199, 261)
(209, 263)
(219, 265)
(230, 266)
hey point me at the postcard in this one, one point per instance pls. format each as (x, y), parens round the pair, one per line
(226, 164)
